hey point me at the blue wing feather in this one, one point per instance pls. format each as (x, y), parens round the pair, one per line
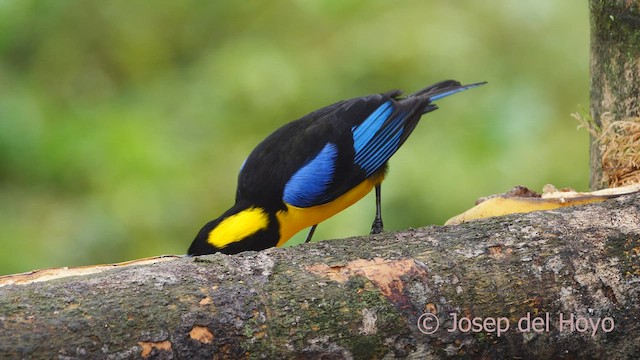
(308, 185)
(377, 137)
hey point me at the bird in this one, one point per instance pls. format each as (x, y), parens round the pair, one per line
(316, 166)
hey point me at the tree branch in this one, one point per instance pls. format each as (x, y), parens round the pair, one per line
(615, 90)
(360, 297)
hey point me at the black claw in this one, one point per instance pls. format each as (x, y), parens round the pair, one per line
(377, 227)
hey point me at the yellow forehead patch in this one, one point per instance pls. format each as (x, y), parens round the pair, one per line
(238, 227)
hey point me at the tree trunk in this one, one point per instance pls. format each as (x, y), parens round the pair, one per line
(551, 284)
(615, 87)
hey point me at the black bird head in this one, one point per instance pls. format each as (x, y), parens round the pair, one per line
(241, 228)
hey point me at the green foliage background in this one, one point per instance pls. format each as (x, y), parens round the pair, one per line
(123, 123)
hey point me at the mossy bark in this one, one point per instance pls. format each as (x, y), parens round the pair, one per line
(615, 69)
(357, 298)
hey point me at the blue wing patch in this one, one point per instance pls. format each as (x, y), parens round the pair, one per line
(377, 138)
(308, 185)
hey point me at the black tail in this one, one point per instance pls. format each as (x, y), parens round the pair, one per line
(440, 90)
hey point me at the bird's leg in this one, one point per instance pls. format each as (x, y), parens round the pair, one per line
(310, 235)
(377, 227)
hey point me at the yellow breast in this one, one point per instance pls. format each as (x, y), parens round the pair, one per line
(295, 218)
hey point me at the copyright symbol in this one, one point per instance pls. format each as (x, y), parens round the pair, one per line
(428, 323)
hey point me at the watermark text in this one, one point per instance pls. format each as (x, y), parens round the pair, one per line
(543, 322)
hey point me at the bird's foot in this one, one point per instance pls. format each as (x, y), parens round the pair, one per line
(377, 227)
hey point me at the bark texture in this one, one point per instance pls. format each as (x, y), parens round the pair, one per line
(361, 298)
(615, 70)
